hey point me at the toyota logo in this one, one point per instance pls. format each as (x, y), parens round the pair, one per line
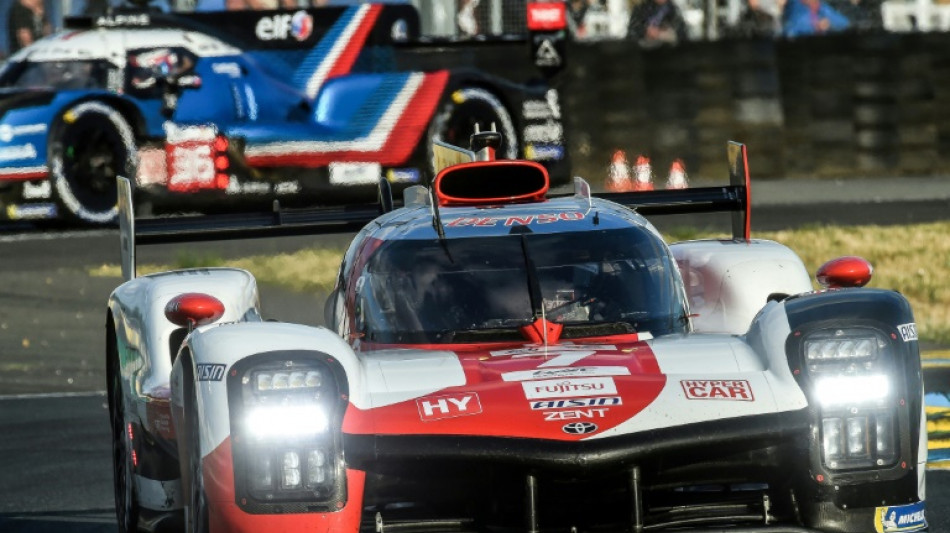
(579, 428)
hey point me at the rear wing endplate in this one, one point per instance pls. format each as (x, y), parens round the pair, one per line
(196, 228)
(734, 197)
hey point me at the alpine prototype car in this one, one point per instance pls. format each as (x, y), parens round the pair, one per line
(499, 361)
(206, 110)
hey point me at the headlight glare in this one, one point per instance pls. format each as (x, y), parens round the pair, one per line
(850, 390)
(286, 421)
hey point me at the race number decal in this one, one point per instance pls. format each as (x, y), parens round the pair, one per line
(908, 331)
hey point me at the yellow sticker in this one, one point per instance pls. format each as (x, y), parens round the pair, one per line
(69, 117)
(458, 97)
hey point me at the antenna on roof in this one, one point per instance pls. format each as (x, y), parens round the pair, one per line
(436, 218)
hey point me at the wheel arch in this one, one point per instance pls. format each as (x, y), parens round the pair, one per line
(129, 111)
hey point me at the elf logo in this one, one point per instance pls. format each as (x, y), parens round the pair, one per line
(702, 389)
(448, 406)
(284, 25)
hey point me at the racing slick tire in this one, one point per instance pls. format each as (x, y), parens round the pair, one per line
(91, 144)
(455, 120)
(197, 509)
(126, 500)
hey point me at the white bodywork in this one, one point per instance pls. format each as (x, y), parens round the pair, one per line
(728, 282)
(142, 335)
(112, 44)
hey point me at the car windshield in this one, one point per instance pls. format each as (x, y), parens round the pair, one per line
(61, 75)
(482, 289)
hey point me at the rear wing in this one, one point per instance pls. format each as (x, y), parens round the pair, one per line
(734, 198)
(197, 228)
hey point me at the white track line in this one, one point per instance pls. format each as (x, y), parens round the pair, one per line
(43, 396)
(52, 236)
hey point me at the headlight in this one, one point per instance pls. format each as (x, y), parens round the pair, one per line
(286, 416)
(850, 351)
(851, 375)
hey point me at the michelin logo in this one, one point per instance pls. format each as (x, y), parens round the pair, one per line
(900, 518)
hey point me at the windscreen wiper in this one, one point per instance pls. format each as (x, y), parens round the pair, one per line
(534, 284)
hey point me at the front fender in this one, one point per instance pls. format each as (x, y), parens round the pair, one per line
(211, 353)
(147, 342)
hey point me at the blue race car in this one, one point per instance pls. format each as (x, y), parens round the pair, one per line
(209, 110)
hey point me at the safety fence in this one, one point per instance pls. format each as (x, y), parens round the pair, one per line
(827, 107)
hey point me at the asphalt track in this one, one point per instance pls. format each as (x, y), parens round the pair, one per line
(55, 472)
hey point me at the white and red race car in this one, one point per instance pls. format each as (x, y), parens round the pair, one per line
(500, 361)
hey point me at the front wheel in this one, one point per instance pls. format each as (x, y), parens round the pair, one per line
(467, 107)
(123, 468)
(91, 145)
(197, 511)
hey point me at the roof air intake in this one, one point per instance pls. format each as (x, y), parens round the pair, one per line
(492, 183)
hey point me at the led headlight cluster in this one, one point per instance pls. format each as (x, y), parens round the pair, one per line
(290, 449)
(851, 377)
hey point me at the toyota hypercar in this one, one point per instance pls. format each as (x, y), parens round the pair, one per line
(497, 360)
(205, 111)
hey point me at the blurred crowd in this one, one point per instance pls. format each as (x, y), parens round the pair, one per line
(651, 22)
(658, 22)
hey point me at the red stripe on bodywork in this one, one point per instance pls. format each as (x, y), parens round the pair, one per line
(503, 408)
(403, 137)
(353, 48)
(14, 175)
(226, 516)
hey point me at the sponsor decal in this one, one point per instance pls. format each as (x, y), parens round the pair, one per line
(228, 68)
(605, 401)
(579, 428)
(34, 191)
(554, 351)
(549, 132)
(355, 173)
(210, 372)
(399, 31)
(908, 331)
(566, 372)
(546, 54)
(514, 220)
(403, 175)
(112, 21)
(544, 152)
(537, 110)
(22, 151)
(554, 416)
(709, 389)
(900, 518)
(448, 406)
(31, 211)
(287, 187)
(8, 132)
(569, 388)
(538, 405)
(544, 16)
(283, 26)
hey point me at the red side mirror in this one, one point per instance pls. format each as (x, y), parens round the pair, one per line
(193, 309)
(849, 271)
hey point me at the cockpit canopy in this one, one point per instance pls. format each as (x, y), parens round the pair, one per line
(483, 289)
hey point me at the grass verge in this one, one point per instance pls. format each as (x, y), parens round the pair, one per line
(914, 260)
